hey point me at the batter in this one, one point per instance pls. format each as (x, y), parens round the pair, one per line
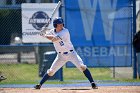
(60, 37)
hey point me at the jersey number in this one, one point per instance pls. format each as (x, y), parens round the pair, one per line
(61, 43)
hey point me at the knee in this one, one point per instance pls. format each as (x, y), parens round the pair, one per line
(50, 72)
(83, 67)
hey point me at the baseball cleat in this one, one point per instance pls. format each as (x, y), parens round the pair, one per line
(94, 86)
(37, 86)
(2, 78)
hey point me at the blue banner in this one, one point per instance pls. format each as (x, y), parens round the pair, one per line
(101, 30)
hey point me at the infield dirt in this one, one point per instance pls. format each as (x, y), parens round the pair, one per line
(102, 89)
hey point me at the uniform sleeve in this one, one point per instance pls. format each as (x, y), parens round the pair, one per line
(66, 35)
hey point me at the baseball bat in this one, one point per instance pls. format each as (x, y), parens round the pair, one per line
(44, 28)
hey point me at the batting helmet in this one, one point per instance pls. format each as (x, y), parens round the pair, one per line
(57, 20)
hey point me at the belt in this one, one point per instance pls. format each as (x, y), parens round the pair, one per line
(65, 52)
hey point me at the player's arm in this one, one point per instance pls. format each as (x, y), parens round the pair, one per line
(52, 38)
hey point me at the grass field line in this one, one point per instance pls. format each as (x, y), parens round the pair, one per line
(86, 84)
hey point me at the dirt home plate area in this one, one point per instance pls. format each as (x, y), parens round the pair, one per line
(102, 89)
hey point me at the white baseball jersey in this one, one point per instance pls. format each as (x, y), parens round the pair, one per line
(65, 52)
(64, 44)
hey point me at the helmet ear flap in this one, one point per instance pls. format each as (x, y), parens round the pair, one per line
(55, 25)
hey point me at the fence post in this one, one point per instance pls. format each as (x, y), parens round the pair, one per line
(19, 57)
(134, 31)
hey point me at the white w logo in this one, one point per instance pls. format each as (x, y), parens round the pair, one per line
(88, 11)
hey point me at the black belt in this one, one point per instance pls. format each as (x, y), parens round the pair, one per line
(66, 52)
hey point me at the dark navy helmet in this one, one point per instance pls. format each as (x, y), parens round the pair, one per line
(57, 20)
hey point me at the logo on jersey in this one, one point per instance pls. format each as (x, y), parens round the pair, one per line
(38, 20)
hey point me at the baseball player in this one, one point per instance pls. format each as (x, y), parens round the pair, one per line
(65, 52)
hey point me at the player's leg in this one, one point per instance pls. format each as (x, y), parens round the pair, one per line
(77, 61)
(56, 65)
(89, 76)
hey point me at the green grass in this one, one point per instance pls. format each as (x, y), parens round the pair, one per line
(28, 74)
(20, 73)
(97, 73)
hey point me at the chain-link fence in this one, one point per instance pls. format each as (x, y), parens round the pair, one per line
(22, 63)
(10, 20)
(19, 61)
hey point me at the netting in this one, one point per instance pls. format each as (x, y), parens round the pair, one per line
(23, 63)
(104, 31)
(10, 21)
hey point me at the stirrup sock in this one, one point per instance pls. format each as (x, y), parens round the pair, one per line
(88, 75)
